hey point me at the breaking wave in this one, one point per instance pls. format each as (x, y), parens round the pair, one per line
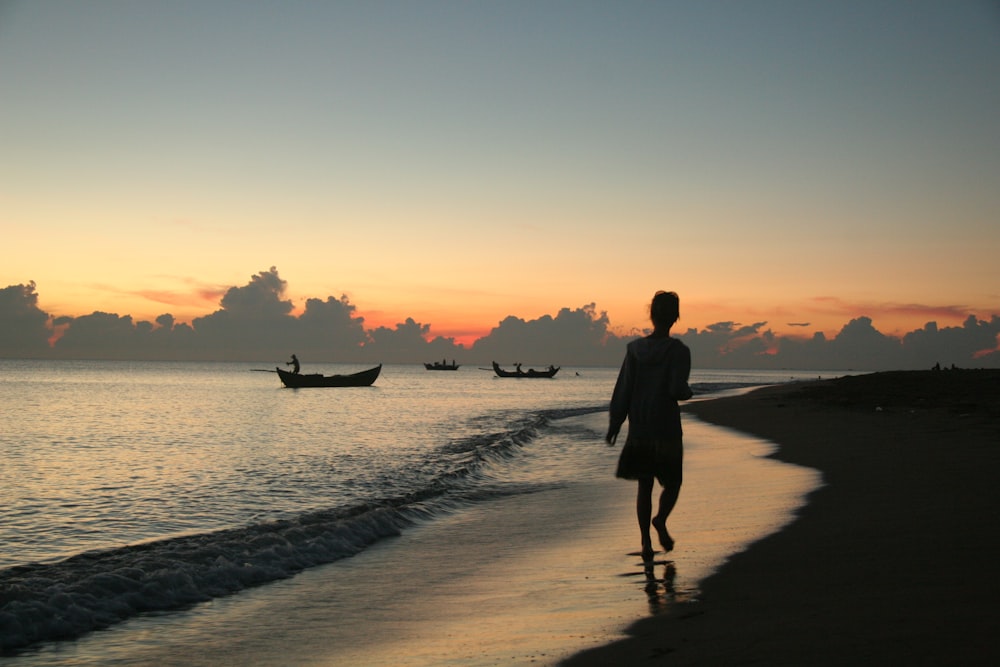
(93, 590)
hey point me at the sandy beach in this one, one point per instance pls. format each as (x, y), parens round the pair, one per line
(892, 561)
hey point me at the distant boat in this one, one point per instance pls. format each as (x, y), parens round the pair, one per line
(360, 379)
(530, 373)
(442, 366)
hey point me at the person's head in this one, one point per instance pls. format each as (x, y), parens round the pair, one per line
(665, 309)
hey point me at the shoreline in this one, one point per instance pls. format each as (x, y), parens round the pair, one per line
(525, 578)
(890, 561)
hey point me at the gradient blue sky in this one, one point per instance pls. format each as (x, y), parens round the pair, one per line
(458, 162)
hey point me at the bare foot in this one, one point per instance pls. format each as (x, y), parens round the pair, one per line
(666, 541)
(647, 549)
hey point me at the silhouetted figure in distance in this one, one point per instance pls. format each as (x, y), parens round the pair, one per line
(653, 377)
(294, 363)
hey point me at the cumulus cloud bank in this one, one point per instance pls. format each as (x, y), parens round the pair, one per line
(255, 322)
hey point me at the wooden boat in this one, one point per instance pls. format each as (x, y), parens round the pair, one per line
(441, 366)
(530, 373)
(361, 379)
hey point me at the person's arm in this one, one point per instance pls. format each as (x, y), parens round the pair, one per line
(680, 371)
(620, 399)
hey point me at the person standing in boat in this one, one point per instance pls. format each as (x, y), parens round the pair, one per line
(294, 363)
(653, 377)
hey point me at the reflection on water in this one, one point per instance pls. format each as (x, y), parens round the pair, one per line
(660, 590)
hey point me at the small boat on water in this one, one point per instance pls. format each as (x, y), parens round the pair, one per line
(442, 366)
(360, 379)
(530, 373)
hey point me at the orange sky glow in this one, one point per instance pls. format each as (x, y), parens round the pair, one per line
(795, 165)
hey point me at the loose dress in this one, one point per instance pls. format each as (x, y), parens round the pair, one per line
(653, 377)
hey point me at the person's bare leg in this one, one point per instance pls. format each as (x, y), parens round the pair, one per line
(668, 498)
(659, 522)
(643, 511)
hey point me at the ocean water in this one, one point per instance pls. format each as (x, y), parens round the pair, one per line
(136, 488)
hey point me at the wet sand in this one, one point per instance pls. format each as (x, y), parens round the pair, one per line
(892, 561)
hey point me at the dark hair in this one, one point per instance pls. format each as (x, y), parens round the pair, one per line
(665, 309)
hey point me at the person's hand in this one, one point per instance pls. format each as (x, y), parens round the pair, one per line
(611, 437)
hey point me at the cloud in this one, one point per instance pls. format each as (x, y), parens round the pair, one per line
(196, 296)
(257, 322)
(24, 328)
(404, 343)
(914, 311)
(578, 336)
(94, 335)
(181, 299)
(975, 339)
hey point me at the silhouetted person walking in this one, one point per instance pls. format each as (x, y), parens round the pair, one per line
(294, 363)
(653, 377)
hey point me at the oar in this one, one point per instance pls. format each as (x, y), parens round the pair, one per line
(263, 370)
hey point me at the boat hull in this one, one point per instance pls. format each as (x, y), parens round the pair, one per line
(530, 373)
(301, 380)
(441, 367)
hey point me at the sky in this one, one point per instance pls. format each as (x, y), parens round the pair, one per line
(795, 163)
